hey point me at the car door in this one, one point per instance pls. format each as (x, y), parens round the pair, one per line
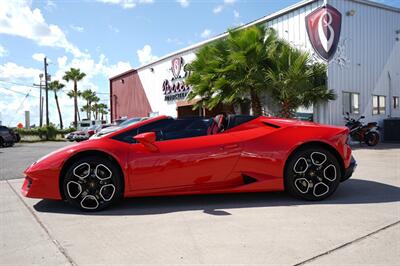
(196, 163)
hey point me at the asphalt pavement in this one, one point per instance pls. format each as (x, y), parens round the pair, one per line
(14, 160)
(359, 224)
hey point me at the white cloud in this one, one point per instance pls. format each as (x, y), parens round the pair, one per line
(76, 28)
(50, 5)
(62, 61)
(236, 14)
(126, 4)
(218, 9)
(3, 51)
(206, 33)
(97, 72)
(17, 18)
(145, 56)
(183, 3)
(112, 28)
(38, 57)
(11, 72)
(118, 68)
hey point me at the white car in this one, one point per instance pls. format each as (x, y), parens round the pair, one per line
(111, 129)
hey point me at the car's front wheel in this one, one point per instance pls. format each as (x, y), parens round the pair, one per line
(92, 183)
(312, 173)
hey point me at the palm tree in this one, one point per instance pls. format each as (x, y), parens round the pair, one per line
(95, 107)
(75, 75)
(88, 95)
(72, 94)
(233, 69)
(56, 86)
(103, 110)
(297, 81)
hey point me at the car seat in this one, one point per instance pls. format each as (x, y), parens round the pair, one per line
(218, 125)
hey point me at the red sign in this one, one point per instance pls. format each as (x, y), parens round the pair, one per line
(323, 28)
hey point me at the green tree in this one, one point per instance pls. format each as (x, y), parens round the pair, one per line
(233, 69)
(56, 86)
(89, 96)
(75, 75)
(103, 110)
(95, 107)
(295, 80)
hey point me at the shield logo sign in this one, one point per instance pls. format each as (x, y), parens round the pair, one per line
(323, 28)
(176, 66)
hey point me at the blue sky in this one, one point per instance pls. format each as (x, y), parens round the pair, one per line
(103, 38)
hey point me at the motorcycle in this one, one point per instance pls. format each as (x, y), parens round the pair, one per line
(367, 133)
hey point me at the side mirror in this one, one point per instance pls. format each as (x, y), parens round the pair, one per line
(147, 140)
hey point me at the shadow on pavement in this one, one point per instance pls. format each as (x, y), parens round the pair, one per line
(353, 191)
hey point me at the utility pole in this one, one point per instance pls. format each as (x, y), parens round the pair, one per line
(41, 101)
(47, 91)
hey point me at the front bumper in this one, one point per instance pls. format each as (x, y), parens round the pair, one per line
(349, 170)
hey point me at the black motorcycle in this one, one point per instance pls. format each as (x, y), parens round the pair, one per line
(367, 133)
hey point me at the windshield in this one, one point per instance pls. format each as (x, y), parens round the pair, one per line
(130, 122)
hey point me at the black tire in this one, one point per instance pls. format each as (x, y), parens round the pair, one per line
(92, 183)
(312, 173)
(372, 138)
(1, 142)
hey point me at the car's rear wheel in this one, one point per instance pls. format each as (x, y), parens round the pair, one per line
(92, 183)
(1, 142)
(312, 173)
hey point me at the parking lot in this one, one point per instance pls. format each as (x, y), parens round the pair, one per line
(359, 224)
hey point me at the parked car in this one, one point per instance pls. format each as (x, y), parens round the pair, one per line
(224, 154)
(123, 124)
(8, 137)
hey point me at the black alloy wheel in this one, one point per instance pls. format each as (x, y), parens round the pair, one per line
(312, 173)
(372, 138)
(92, 183)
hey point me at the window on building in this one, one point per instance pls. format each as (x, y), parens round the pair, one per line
(396, 102)
(378, 105)
(351, 103)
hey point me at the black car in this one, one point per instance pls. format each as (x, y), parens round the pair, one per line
(8, 137)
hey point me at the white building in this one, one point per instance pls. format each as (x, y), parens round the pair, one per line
(359, 39)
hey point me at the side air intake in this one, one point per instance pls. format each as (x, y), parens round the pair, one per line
(271, 125)
(248, 179)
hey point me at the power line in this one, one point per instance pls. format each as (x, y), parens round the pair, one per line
(18, 84)
(19, 107)
(18, 92)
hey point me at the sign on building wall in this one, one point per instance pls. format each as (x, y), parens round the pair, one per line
(175, 88)
(323, 28)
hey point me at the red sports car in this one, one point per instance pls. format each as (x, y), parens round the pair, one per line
(166, 156)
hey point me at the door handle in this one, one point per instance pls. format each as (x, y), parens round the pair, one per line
(230, 146)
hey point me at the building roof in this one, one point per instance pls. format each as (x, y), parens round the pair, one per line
(254, 22)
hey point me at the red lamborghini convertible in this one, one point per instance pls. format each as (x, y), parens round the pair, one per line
(166, 156)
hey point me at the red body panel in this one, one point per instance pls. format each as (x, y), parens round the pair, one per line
(199, 165)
